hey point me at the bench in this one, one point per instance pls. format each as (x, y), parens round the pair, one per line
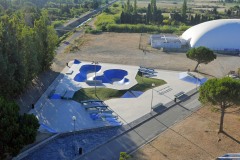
(98, 110)
(69, 72)
(99, 106)
(93, 104)
(149, 75)
(93, 82)
(151, 69)
(91, 101)
(179, 94)
(146, 71)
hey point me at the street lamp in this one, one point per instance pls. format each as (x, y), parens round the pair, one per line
(198, 81)
(153, 85)
(74, 120)
(143, 63)
(94, 62)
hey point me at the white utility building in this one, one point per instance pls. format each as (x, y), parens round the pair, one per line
(165, 41)
(218, 35)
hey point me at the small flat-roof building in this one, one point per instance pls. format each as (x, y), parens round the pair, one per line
(166, 41)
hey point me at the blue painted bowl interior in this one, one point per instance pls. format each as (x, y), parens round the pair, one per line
(111, 75)
(76, 61)
(115, 74)
(84, 70)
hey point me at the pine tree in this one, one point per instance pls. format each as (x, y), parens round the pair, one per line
(122, 18)
(184, 10)
(128, 6)
(135, 7)
(47, 39)
(149, 14)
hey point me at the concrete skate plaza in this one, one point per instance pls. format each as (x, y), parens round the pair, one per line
(55, 115)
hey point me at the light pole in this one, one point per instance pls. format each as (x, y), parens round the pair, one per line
(197, 77)
(144, 51)
(74, 121)
(153, 85)
(94, 62)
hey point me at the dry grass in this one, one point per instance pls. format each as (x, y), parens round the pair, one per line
(195, 138)
(196, 4)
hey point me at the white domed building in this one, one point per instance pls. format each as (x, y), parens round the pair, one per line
(221, 35)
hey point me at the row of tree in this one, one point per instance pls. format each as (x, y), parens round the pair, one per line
(153, 15)
(27, 48)
(129, 14)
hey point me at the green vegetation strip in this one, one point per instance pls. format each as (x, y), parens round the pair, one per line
(144, 84)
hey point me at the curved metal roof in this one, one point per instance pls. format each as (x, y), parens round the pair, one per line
(222, 34)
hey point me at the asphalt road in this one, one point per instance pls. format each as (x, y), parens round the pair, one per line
(146, 131)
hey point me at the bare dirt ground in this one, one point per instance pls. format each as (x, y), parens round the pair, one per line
(195, 138)
(123, 48)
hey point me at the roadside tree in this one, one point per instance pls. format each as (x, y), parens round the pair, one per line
(201, 55)
(223, 93)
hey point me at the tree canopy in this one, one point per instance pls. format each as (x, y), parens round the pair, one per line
(223, 92)
(27, 48)
(130, 14)
(201, 55)
(15, 130)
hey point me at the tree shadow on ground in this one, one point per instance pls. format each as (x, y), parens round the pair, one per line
(229, 136)
(35, 90)
(206, 74)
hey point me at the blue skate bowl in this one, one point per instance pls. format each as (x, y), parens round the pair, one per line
(84, 70)
(55, 96)
(76, 61)
(113, 75)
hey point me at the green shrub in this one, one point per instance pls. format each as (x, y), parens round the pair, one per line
(107, 10)
(105, 19)
(92, 31)
(139, 28)
(57, 23)
(168, 29)
(183, 28)
(166, 21)
(115, 5)
(124, 156)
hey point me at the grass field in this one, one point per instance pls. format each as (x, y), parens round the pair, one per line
(144, 84)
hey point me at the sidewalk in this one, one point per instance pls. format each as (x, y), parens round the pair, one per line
(142, 133)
